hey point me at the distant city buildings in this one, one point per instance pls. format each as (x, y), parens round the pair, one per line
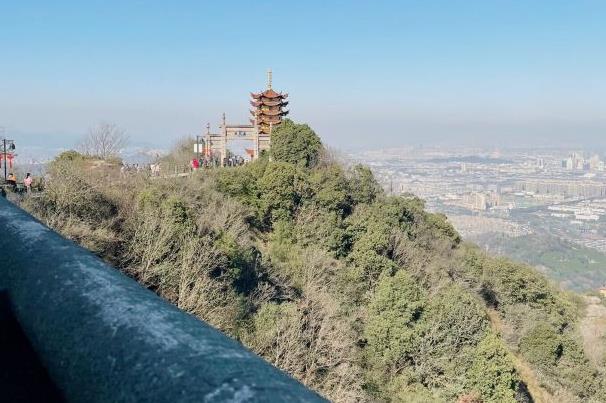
(479, 201)
(568, 187)
(472, 226)
(576, 161)
(514, 192)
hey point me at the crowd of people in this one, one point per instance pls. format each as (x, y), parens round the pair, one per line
(129, 169)
(155, 169)
(205, 162)
(234, 161)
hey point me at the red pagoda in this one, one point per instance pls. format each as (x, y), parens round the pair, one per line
(268, 108)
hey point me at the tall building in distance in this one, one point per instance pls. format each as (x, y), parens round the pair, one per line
(267, 113)
(268, 107)
(576, 161)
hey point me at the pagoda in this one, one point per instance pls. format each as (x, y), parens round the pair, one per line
(268, 108)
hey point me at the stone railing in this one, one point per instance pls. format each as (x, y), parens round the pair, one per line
(99, 336)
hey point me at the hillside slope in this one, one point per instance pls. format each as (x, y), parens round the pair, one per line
(361, 296)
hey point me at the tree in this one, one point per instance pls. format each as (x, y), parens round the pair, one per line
(295, 143)
(452, 325)
(492, 373)
(394, 309)
(70, 155)
(103, 141)
(542, 345)
(331, 189)
(278, 191)
(364, 186)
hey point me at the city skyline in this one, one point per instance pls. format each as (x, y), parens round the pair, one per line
(544, 207)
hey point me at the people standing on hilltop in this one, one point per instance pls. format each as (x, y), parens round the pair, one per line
(28, 182)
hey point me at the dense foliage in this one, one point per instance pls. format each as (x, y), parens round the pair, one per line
(295, 143)
(362, 296)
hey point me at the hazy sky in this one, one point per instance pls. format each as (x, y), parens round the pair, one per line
(361, 73)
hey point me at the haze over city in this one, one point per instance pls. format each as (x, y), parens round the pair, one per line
(364, 75)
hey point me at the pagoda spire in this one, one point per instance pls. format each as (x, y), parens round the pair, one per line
(269, 74)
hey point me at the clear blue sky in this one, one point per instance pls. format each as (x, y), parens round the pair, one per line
(390, 72)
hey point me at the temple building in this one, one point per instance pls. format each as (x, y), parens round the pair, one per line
(268, 107)
(268, 110)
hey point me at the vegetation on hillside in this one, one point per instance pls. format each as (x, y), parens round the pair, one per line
(573, 266)
(361, 296)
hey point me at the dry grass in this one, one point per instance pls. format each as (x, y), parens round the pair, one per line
(593, 331)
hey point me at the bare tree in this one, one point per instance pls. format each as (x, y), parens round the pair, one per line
(105, 140)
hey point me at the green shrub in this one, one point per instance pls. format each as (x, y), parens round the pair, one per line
(455, 319)
(330, 189)
(173, 209)
(71, 195)
(282, 187)
(295, 144)
(364, 187)
(393, 312)
(439, 226)
(370, 232)
(492, 373)
(242, 183)
(70, 155)
(371, 263)
(317, 226)
(574, 371)
(452, 325)
(542, 345)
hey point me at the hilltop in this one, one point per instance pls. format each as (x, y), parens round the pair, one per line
(360, 295)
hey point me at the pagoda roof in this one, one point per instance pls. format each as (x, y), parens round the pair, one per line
(264, 127)
(269, 119)
(270, 93)
(276, 112)
(269, 103)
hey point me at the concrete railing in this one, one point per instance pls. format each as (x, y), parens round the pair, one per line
(101, 337)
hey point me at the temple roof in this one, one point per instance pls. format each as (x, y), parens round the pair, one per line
(269, 119)
(276, 112)
(265, 127)
(269, 103)
(270, 93)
